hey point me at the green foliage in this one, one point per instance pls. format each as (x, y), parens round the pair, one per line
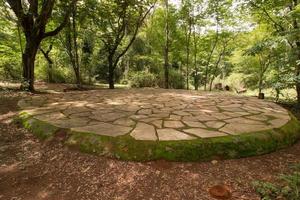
(61, 75)
(251, 44)
(142, 79)
(289, 188)
(176, 80)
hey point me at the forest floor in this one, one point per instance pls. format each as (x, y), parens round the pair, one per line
(31, 169)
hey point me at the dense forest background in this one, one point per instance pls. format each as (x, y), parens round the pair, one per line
(248, 45)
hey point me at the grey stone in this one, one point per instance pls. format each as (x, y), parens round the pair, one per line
(172, 134)
(144, 131)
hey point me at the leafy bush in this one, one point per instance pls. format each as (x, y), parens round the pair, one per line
(289, 190)
(176, 80)
(235, 80)
(10, 71)
(124, 81)
(62, 75)
(142, 79)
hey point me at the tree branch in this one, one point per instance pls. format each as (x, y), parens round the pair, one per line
(139, 23)
(33, 8)
(63, 23)
(276, 24)
(16, 6)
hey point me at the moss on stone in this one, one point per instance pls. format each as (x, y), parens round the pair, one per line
(39, 128)
(127, 148)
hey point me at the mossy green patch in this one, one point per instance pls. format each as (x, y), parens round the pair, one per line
(127, 148)
(42, 130)
(244, 145)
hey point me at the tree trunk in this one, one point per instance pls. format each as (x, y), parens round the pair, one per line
(77, 74)
(50, 76)
(28, 59)
(50, 62)
(70, 43)
(33, 19)
(209, 59)
(298, 69)
(166, 65)
(76, 58)
(196, 83)
(111, 70)
(188, 39)
(196, 80)
(217, 66)
(211, 83)
(298, 84)
(260, 83)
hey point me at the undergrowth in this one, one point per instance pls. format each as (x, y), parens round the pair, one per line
(287, 188)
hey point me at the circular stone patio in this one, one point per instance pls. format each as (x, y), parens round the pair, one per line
(120, 122)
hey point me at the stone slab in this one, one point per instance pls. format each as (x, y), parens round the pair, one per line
(104, 129)
(169, 134)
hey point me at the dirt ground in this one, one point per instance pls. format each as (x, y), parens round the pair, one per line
(33, 170)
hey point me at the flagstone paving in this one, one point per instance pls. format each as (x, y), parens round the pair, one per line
(156, 114)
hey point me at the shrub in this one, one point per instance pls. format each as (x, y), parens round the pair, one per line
(63, 75)
(142, 79)
(176, 80)
(124, 81)
(289, 190)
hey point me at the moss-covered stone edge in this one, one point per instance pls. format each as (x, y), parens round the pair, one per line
(127, 148)
(41, 129)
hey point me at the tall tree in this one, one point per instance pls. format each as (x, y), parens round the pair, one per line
(119, 24)
(166, 47)
(50, 62)
(71, 44)
(187, 25)
(283, 15)
(263, 50)
(225, 39)
(33, 18)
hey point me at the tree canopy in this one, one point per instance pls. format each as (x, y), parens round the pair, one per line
(182, 44)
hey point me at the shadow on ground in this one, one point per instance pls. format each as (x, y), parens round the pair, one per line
(30, 169)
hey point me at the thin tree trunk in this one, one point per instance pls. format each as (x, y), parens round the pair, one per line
(298, 73)
(298, 92)
(166, 65)
(196, 78)
(50, 62)
(188, 39)
(260, 82)
(111, 73)
(77, 73)
(298, 83)
(217, 66)
(211, 83)
(50, 76)
(69, 48)
(209, 59)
